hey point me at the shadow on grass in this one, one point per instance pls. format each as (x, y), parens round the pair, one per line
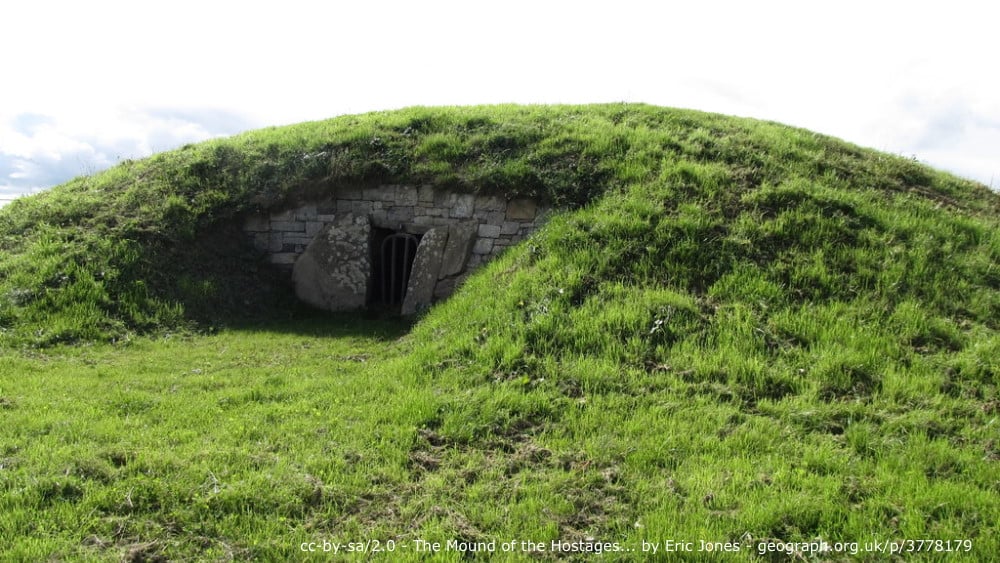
(304, 321)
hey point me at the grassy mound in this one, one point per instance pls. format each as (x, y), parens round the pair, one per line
(734, 331)
(148, 245)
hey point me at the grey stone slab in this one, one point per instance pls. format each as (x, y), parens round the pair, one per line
(456, 251)
(425, 194)
(490, 203)
(510, 228)
(334, 271)
(489, 231)
(288, 215)
(424, 274)
(462, 206)
(400, 214)
(407, 195)
(483, 246)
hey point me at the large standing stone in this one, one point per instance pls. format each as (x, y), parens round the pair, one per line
(334, 270)
(424, 274)
(456, 251)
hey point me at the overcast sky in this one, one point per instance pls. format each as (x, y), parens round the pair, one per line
(86, 84)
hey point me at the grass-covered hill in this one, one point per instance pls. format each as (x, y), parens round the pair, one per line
(731, 330)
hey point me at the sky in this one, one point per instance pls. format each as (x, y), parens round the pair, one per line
(84, 85)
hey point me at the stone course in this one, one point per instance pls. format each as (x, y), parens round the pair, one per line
(465, 231)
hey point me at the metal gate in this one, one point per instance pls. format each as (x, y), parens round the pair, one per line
(396, 260)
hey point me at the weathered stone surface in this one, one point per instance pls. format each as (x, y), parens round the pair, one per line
(406, 195)
(444, 288)
(456, 251)
(462, 206)
(424, 275)
(425, 194)
(521, 209)
(333, 271)
(288, 215)
(483, 246)
(490, 203)
(489, 231)
(510, 228)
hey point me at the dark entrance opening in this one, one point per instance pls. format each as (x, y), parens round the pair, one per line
(392, 262)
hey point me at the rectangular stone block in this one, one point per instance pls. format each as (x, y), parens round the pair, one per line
(495, 217)
(407, 195)
(386, 193)
(490, 203)
(425, 194)
(361, 207)
(283, 215)
(288, 226)
(489, 231)
(400, 214)
(462, 206)
(326, 217)
(510, 228)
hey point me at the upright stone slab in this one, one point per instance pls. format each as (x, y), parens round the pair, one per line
(424, 274)
(334, 270)
(456, 251)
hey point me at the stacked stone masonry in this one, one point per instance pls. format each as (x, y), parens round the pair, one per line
(478, 227)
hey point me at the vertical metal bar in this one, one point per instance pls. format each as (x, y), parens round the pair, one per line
(382, 273)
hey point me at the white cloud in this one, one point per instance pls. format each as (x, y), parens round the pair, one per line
(120, 79)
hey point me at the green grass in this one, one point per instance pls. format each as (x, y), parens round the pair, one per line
(731, 331)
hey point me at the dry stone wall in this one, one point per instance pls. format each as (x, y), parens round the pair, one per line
(458, 233)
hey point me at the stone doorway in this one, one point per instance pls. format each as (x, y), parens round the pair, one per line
(393, 253)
